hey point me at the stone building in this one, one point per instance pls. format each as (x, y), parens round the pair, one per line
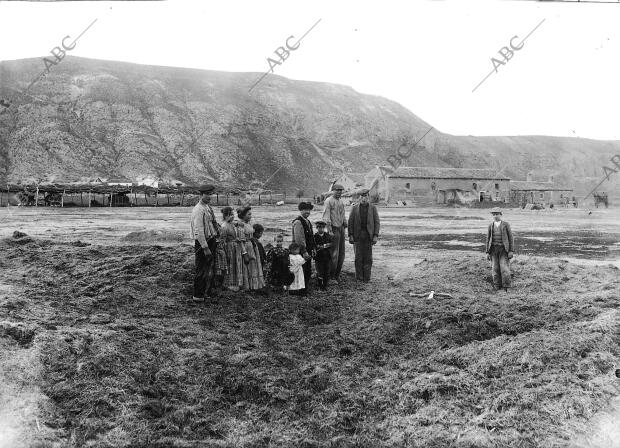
(543, 193)
(430, 185)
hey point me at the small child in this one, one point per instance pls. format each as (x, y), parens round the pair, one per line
(296, 262)
(278, 273)
(258, 233)
(323, 242)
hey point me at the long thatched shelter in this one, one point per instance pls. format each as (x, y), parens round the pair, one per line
(56, 193)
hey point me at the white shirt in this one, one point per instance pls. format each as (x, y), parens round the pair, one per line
(497, 223)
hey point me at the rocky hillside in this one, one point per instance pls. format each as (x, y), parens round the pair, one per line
(92, 118)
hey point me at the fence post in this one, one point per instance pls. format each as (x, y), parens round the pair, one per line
(89, 201)
(62, 199)
(36, 198)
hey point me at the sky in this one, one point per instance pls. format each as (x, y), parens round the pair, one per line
(427, 55)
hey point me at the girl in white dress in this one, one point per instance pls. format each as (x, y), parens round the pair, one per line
(296, 262)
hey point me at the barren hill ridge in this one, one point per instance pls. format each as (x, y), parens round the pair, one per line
(94, 118)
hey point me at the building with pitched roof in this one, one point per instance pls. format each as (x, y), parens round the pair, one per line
(433, 185)
(534, 192)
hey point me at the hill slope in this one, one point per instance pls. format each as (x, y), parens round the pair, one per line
(90, 118)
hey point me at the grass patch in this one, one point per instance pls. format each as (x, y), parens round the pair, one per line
(126, 362)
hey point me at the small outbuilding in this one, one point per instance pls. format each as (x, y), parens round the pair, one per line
(544, 193)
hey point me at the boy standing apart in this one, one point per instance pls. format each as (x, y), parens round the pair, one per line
(322, 243)
(499, 249)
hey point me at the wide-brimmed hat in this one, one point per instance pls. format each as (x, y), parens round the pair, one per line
(206, 188)
(305, 206)
(496, 210)
(337, 187)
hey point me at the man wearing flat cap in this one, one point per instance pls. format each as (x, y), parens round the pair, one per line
(333, 215)
(304, 236)
(205, 230)
(363, 234)
(499, 249)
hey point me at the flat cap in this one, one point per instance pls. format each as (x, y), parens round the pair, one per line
(206, 188)
(364, 191)
(320, 223)
(305, 206)
(337, 187)
(496, 210)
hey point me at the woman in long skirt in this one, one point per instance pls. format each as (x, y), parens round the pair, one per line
(252, 268)
(230, 236)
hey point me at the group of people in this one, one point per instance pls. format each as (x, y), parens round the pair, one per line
(231, 255)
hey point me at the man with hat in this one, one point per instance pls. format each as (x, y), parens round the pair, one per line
(363, 234)
(205, 230)
(499, 249)
(333, 215)
(304, 236)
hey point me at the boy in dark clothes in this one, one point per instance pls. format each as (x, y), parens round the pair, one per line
(278, 273)
(322, 241)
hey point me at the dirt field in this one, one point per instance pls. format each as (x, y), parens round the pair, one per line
(98, 349)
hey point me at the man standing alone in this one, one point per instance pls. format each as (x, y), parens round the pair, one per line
(363, 234)
(499, 248)
(333, 215)
(204, 231)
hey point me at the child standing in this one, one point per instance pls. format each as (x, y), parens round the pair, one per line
(296, 262)
(278, 273)
(258, 233)
(322, 241)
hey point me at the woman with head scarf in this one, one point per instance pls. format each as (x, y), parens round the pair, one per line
(230, 239)
(252, 267)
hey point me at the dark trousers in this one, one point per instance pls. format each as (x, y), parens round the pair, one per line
(322, 271)
(205, 272)
(337, 251)
(363, 256)
(307, 268)
(500, 266)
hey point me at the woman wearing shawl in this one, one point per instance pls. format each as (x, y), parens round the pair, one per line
(252, 267)
(230, 236)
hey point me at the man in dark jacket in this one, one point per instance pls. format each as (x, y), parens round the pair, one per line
(499, 249)
(363, 233)
(304, 236)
